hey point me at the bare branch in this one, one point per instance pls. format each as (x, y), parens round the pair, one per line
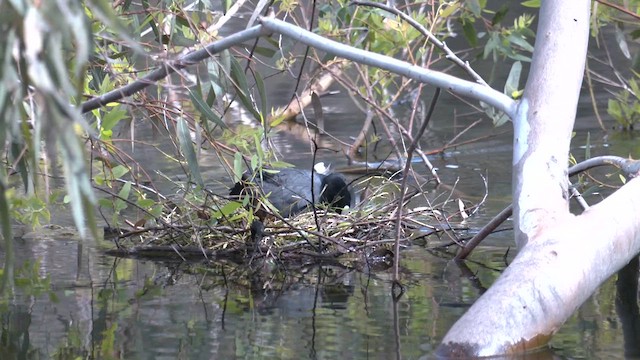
(451, 83)
(171, 67)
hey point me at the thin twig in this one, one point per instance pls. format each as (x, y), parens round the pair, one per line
(630, 168)
(592, 95)
(173, 66)
(620, 8)
(403, 187)
(453, 84)
(450, 55)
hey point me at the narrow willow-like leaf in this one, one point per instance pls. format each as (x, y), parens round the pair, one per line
(103, 10)
(7, 234)
(254, 163)
(227, 209)
(513, 80)
(217, 79)
(22, 166)
(186, 145)
(448, 9)
(265, 51)
(112, 117)
(79, 186)
(531, 3)
(519, 57)
(205, 110)
(225, 61)
(242, 88)
(262, 92)
(237, 166)
(475, 7)
(470, 33)
(520, 41)
(119, 171)
(622, 42)
(123, 195)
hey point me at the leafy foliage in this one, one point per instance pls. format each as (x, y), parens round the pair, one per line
(73, 51)
(625, 107)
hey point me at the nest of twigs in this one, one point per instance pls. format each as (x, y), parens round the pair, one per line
(365, 234)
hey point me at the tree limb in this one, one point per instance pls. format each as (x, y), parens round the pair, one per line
(451, 83)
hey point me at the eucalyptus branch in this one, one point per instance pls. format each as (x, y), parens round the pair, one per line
(451, 83)
(171, 67)
(450, 55)
(630, 168)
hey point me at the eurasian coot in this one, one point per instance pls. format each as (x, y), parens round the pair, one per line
(290, 190)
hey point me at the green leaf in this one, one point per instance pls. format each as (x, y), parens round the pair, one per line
(186, 145)
(7, 235)
(205, 110)
(119, 171)
(227, 209)
(614, 110)
(281, 164)
(146, 203)
(500, 14)
(79, 189)
(520, 41)
(218, 80)
(511, 87)
(635, 88)
(242, 88)
(500, 119)
(519, 57)
(257, 141)
(120, 203)
(262, 92)
(491, 45)
(264, 51)
(225, 61)
(277, 120)
(254, 162)
(623, 180)
(23, 168)
(238, 166)
(470, 33)
(531, 3)
(112, 117)
(475, 7)
(448, 10)
(227, 5)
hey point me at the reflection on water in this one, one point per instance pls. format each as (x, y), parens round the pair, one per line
(120, 308)
(101, 307)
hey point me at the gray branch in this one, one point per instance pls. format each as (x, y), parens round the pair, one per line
(450, 55)
(453, 84)
(171, 67)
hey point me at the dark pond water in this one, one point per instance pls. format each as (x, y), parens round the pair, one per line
(104, 307)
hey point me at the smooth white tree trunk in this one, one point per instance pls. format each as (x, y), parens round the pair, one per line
(563, 258)
(545, 117)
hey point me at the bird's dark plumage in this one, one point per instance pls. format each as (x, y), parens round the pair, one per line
(290, 190)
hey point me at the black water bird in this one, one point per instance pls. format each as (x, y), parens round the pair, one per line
(291, 191)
